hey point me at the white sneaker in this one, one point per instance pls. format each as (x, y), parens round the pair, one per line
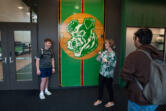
(48, 93)
(41, 95)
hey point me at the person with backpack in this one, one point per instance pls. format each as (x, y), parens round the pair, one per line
(137, 68)
(45, 67)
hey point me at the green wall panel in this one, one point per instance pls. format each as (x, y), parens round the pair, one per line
(141, 13)
(70, 68)
(95, 8)
(150, 13)
(68, 8)
(70, 71)
(73, 73)
(91, 66)
(91, 71)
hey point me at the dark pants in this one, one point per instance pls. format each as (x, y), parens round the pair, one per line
(109, 85)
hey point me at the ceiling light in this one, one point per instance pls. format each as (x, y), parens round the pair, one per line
(20, 7)
(28, 13)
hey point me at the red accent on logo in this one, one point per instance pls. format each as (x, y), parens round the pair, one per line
(82, 4)
(82, 72)
(82, 61)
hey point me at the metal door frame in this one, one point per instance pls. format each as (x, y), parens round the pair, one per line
(12, 83)
(4, 84)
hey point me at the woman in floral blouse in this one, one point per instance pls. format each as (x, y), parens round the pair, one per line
(106, 74)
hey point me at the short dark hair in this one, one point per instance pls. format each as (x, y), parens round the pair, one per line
(48, 40)
(144, 35)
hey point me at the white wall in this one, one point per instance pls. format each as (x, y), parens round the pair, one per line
(22, 36)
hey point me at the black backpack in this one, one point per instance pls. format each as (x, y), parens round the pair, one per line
(155, 90)
(42, 51)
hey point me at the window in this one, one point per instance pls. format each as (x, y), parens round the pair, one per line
(158, 39)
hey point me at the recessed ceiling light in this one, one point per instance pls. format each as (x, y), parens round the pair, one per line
(20, 7)
(28, 13)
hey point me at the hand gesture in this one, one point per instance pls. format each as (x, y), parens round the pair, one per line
(99, 53)
(53, 70)
(104, 59)
(38, 72)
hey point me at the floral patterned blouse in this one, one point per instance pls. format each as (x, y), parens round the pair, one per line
(107, 68)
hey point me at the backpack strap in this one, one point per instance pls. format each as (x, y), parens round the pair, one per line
(139, 84)
(51, 51)
(146, 53)
(42, 51)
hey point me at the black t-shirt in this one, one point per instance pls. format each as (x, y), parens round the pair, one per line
(45, 56)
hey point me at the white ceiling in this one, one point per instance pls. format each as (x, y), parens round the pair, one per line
(9, 11)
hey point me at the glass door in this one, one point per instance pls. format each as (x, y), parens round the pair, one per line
(21, 49)
(23, 55)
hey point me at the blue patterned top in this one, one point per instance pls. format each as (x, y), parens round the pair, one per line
(107, 68)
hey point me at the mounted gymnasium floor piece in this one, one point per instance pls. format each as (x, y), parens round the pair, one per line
(81, 38)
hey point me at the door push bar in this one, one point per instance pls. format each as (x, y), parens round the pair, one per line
(5, 60)
(10, 60)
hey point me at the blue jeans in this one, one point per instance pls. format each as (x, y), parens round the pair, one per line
(135, 107)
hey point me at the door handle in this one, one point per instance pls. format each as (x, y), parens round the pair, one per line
(10, 60)
(5, 60)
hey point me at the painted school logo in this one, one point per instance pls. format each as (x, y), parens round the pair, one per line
(81, 36)
(83, 39)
